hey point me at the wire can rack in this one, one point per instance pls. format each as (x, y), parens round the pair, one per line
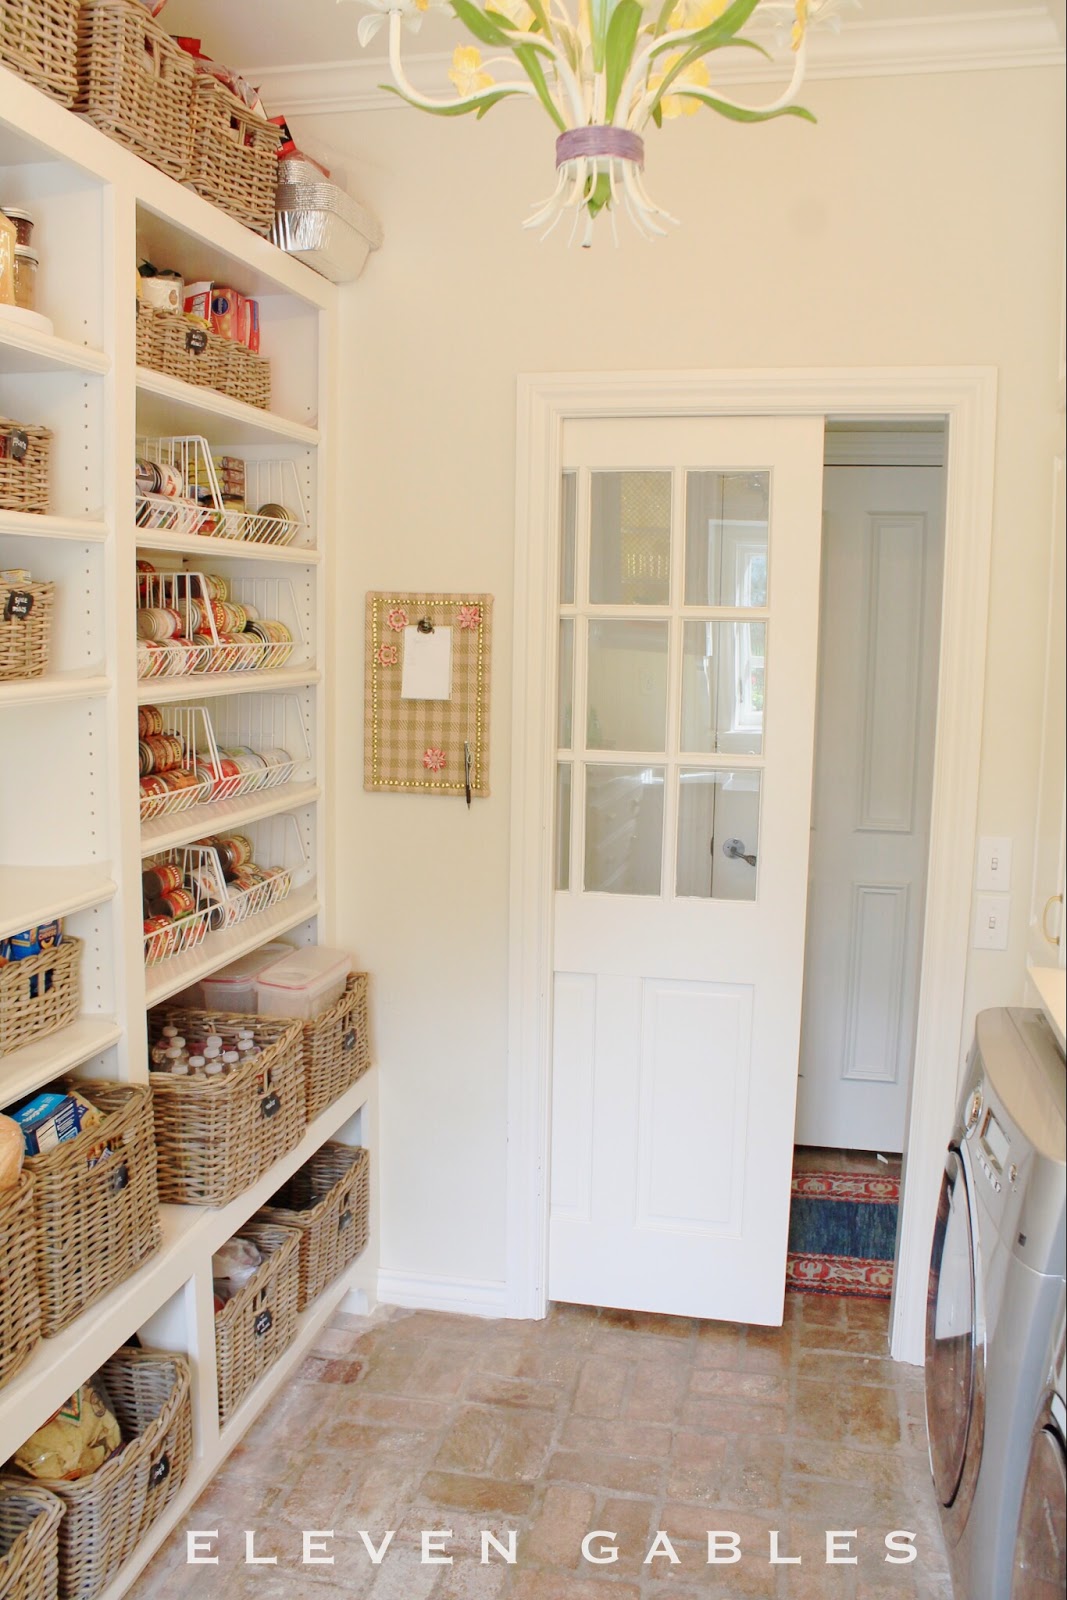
(190, 726)
(272, 486)
(186, 603)
(269, 727)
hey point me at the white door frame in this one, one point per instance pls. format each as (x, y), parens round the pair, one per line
(966, 398)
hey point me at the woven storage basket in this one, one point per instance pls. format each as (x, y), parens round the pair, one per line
(24, 639)
(253, 1329)
(39, 994)
(216, 1135)
(39, 41)
(336, 1047)
(109, 1512)
(235, 155)
(168, 342)
(135, 83)
(20, 1306)
(29, 1540)
(328, 1200)
(94, 1225)
(24, 476)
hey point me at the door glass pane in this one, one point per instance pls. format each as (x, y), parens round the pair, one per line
(563, 825)
(726, 538)
(623, 829)
(630, 539)
(723, 672)
(718, 826)
(950, 1334)
(627, 681)
(566, 682)
(568, 518)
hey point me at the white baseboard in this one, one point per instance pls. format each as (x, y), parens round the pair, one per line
(472, 1297)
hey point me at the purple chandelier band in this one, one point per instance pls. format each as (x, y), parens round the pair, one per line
(600, 140)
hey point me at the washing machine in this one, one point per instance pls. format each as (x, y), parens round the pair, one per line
(995, 1291)
(1040, 1571)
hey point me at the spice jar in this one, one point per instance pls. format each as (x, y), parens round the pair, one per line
(7, 261)
(23, 224)
(25, 278)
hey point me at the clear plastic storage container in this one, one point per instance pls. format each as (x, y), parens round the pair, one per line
(304, 983)
(233, 988)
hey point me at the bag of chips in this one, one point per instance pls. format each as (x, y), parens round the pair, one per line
(81, 1436)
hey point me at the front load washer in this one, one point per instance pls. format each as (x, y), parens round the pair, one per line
(1041, 1542)
(996, 1281)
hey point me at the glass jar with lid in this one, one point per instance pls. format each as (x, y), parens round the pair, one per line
(26, 263)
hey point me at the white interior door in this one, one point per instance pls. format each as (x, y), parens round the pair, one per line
(883, 554)
(688, 640)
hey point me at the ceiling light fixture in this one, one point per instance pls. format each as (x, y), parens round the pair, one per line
(602, 74)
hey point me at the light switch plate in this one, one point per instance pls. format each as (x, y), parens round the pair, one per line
(994, 865)
(991, 913)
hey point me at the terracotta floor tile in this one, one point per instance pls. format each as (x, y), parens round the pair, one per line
(602, 1471)
(563, 1518)
(656, 1392)
(616, 1438)
(833, 1366)
(738, 1385)
(523, 1444)
(475, 1494)
(601, 1385)
(532, 1585)
(469, 1441)
(733, 1416)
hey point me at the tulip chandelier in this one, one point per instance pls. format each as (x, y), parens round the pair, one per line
(603, 72)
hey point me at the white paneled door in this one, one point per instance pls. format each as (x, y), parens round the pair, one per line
(688, 620)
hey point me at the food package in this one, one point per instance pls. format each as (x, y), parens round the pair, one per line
(12, 1152)
(233, 1265)
(81, 1436)
(49, 1119)
(321, 225)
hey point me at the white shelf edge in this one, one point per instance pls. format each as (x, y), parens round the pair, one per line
(191, 1234)
(32, 525)
(52, 686)
(32, 895)
(221, 406)
(44, 352)
(168, 977)
(244, 549)
(35, 1064)
(163, 832)
(194, 685)
(1051, 985)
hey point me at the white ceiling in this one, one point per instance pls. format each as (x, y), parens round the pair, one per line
(273, 34)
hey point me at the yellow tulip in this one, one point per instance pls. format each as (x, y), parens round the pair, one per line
(465, 71)
(679, 105)
(697, 13)
(800, 25)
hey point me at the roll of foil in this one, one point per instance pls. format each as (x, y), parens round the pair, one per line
(321, 225)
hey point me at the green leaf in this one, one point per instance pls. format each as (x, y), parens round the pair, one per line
(657, 115)
(599, 20)
(619, 50)
(742, 113)
(481, 103)
(526, 55)
(719, 32)
(694, 53)
(664, 17)
(541, 15)
(600, 196)
(475, 21)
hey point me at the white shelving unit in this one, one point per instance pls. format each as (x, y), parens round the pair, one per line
(71, 840)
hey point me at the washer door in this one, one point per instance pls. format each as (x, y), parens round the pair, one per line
(954, 1388)
(1041, 1546)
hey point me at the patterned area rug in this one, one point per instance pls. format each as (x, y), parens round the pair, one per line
(842, 1234)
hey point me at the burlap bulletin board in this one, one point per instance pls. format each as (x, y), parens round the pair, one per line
(417, 745)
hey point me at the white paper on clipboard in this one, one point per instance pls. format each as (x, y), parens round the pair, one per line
(427, 673)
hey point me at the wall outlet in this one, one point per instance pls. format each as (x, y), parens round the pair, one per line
(991, 913)
(994, 865)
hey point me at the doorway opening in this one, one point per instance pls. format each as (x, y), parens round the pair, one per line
(879, 641)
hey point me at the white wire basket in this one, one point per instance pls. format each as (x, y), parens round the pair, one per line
(268, 726)
(200, 647)
(277, 849)
(191, 726)
(274, 483)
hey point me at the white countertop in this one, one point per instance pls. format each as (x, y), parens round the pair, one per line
(1051, 986)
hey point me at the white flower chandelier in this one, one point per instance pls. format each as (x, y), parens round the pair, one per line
(602, 76)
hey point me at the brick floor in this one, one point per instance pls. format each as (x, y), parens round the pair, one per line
(608, 1423)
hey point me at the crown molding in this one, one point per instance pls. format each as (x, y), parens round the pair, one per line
(974, 42)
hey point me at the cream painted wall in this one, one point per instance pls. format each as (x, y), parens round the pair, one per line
(919, 224)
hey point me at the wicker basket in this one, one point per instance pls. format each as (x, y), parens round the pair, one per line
(328, 1200)
(235, 155)
(29, 1540)
(336, 1047)
(39, 994)
(95, 1224)
(39, 41)
(168, 342)
(20, 1306)
(25, 631)
(111, 1511)
(135, 83)
(253, 1329)
(25, 453)
(216, 1135)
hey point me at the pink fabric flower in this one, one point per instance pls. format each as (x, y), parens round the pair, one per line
(470, 616)
(397, 619)
(433, 760)
(388, 655)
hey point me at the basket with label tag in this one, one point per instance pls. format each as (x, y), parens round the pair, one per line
(328, 1200)
(24, 462)
(336, 1047)
(25, 626)
(258, 1322)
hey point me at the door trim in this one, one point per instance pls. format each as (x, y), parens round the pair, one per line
(966, 398)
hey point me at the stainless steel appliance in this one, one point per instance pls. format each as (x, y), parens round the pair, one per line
(1040, 1571)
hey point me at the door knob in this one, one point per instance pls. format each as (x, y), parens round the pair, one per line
(735, 850)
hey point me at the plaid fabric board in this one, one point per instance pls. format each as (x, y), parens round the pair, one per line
(416, 746)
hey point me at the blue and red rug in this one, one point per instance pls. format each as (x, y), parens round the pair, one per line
(842, 1233)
